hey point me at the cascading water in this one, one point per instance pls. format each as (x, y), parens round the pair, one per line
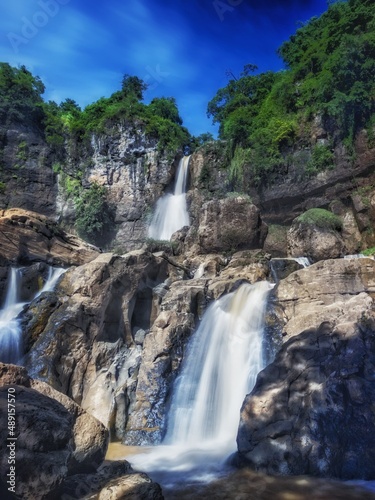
(220, 368)
(171, 210)
(10, 328)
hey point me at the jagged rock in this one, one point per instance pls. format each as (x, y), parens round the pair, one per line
(306, 240)
(85, 347)
(27, 237)
(311, 410)
(333, 290)
(27, 173)
(135, 173)
(291, 195)
(54, 435)
(230, 224)
(162, 356)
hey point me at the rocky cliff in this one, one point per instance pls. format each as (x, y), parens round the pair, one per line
(112, 336)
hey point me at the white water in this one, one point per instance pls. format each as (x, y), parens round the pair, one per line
(171, 210)
(220, 368)
(302, 261)
(10, 328)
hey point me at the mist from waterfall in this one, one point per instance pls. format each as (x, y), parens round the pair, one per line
(10, 327)
(171, 212)
(222, 362)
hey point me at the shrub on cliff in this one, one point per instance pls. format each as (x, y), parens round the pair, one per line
(321, 218)
(93, 214)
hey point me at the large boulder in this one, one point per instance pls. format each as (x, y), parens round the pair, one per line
(311, 411)
(316, 235)
(55, 437)
(338, 291)
(230, 224)
(27, 237)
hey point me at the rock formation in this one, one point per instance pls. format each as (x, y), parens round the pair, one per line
(54, 435)
(311, 411)
(27, 237)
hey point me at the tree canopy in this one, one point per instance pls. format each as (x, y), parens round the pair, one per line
(330, 68)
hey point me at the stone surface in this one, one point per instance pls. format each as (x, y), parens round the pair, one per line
(230, 224)
(115, 480)
(27, 237)
(54, 435)
(131, 487)
(86, 346)
(311, 411)
(128, 164)
(306, 240)
(26, 170)
(333, 290)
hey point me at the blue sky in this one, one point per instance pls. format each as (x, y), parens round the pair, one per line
(181, 48)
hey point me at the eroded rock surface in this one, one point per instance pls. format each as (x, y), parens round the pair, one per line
(27, 237)
(311, 411)
(338, 291)
(54, 435)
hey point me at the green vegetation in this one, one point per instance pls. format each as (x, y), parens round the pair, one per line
(20, 96)
(93, 213)
(369, 251)
(2, 187)
(321, 218)
(322, 158)
(330, 66)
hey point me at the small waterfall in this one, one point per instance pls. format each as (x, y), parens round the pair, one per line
(10, 331)
(223, 360)
(302, 261)
(171, 210)
(10, 328)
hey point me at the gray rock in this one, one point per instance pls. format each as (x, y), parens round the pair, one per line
(311, 409)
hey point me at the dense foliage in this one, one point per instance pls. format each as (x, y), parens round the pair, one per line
(159, 119)
(330, 76)
(20, 96)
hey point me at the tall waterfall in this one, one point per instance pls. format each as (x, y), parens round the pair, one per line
(10, 328)
(220, 368)
(171, 210)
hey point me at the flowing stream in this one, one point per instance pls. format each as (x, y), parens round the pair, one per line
(10, 328)
(222, 362)
(171, 210)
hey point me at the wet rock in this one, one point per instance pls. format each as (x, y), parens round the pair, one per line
(311, 409)
(85, 347)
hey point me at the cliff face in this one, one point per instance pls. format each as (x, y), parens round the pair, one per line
(133, 171)
(26, 176)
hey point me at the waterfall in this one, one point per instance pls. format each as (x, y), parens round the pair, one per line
(302, 261)
(10, 327)
(222, 362)
(171, 210)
